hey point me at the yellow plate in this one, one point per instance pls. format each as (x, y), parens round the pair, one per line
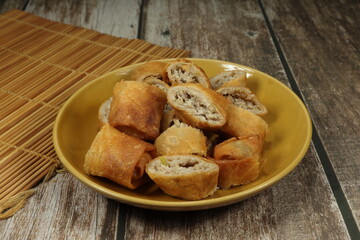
(290, 133)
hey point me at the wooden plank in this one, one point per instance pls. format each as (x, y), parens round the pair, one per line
(7, 5)
(231, 32)
(63, 209)
(301, 206)
(118, 18)
(321, 41)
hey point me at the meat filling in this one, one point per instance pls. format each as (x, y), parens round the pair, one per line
(185, 74)
(241, 99)
(191, 101)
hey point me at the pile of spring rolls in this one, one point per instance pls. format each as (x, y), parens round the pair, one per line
(171, 124)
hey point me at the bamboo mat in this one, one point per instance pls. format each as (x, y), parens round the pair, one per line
(42, 63)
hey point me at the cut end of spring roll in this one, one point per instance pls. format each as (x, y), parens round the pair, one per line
(187, 177)
(198, 106)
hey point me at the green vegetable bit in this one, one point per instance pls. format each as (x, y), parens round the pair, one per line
(164, 161)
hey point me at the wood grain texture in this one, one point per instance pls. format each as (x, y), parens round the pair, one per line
(63, 209)
(289, 209)
(118, 18)
(7, 5)
(321, 41)
(235, 31)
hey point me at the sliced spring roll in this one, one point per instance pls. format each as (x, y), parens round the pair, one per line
(244, 98)
(150, 70)
(243, 123)
(238, 160)
(237, 172)
(157, 83)
(229, 78)
(238, 148)
(198, 106)
(181, 140)
(184, 71)
(187, 177)
(121, 158)
(137, 109)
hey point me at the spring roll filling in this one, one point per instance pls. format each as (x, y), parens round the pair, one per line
(192, 102)
(241, 99)
(226, 77)
(184, 73)
(179, 165)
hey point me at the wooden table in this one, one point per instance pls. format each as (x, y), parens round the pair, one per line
(311, 46)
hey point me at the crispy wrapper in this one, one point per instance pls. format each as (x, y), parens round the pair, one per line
(239, 148)
(150, 70)
(238, 160)
(137, 109)
(237, 172)
(243, 123)
(157, 83)
(181, 140)
(119, 157)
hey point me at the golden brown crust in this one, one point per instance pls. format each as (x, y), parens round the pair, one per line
(157, 83)
(118, 157)
(184, 71)
(184, 182)
(181, 140)
(237, 172)
(238, 160)
(243, 123)
(238, 148)
(148, 70)
(198, 106)
(137, 109)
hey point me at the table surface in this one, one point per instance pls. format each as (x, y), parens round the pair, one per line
(311, 46)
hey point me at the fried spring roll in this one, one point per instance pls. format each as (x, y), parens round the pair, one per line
(137, 109)
(243, 123)
(229, 78)
(198, 106)
(118, 157)
(150, 70)
(237, 172)
(184, 71)
(244, 98)
(157, 83)
(184, 176)
(181, 140)
(238, 160)
(238, 148)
